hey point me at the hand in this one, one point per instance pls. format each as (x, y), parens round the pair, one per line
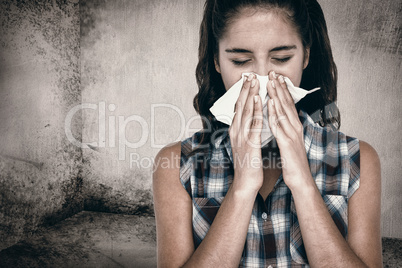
(288, 132)
(245, 138)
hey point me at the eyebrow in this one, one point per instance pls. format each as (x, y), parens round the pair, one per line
(242, 50)
(237, 50)
(283, 48)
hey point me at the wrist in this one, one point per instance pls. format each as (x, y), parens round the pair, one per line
(244, 192)
(305, 189)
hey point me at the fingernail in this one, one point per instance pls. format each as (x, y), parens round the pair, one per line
(250, 77)
(253, 82)
(255, 99)
(273, 83)
(281, 79)
(272, 102)
(273, 74)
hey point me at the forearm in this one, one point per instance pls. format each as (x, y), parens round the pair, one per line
(324, 244)
(223, 245)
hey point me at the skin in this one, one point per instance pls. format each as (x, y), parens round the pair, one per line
(223, 245)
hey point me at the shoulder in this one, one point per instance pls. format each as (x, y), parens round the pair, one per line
(168, 158)
(166, 171)
(368, 171)
(370, 166)
(368, 154)
(173, 148)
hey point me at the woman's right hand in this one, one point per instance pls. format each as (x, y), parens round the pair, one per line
(245, 138)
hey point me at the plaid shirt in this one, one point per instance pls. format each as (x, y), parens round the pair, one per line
(274, 236)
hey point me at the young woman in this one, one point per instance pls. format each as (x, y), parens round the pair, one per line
(221, 201)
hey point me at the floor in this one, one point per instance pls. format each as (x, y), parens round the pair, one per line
(93, 239)
(88, 239)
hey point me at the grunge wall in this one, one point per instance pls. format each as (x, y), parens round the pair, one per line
(91, 90)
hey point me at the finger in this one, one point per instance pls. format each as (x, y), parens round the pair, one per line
(279, 111)
(286, 94)
(248, 108)
(235, 126)
(245, 89)
(282, 119)
(273, 122)
(257, 122)
(236, 123)
(283, 93)
(286, 100)
(271, 87)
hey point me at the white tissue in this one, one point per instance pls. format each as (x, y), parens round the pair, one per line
(223, 108)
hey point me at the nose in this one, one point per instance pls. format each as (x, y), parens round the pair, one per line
(262, 67)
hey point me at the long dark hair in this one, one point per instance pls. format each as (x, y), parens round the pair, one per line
(308, 19)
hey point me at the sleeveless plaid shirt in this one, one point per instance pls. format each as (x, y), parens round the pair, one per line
(274, 236)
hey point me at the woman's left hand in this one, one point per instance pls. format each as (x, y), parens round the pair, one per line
(288, 132)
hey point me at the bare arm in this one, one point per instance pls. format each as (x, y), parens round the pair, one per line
(173, 207)
(223, 245)
(365, 210)
(224, 242)
(325, 246)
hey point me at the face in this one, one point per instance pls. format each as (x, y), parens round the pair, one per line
(260, 42)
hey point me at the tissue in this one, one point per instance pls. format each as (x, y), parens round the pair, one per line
(223, 108)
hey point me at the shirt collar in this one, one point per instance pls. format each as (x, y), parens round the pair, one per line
(220, 137)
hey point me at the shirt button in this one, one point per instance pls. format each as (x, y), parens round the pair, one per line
(265, 217)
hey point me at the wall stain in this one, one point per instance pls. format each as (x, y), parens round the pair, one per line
(38, 165)
(39, 184)
(103, 198)
(376, 25)
(85, 240)
(88, 15)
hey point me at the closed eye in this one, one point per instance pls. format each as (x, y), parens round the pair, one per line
(282, 60)
(240, 62)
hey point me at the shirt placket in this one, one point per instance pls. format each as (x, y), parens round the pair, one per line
(267, 234)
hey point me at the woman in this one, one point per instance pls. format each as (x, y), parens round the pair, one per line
(220, 201)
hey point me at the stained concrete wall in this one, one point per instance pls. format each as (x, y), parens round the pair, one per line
(40, 182)
(136, 54)
(366, 38)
